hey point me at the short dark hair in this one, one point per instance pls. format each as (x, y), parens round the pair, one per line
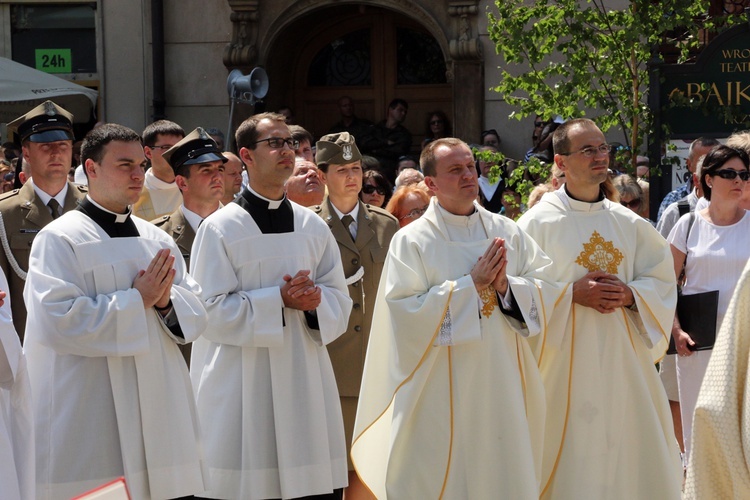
(247, 133)
(97, 139)
(715, 159)
(561, 136)
(427, 159)
(398, 101)
(160, 127)
(300, 134)
(381, 181)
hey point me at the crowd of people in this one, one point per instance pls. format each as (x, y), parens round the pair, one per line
(277, 331)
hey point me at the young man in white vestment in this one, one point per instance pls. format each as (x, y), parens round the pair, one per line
(452, 404)
(109, 301)
(16, 421)
(274, 288)
(609, 429)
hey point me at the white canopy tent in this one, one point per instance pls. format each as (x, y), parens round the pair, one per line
(22, 88)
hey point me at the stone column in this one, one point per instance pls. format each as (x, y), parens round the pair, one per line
(466, 71)
(242, 51)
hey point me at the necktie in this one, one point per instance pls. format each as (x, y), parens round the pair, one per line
(54, 207)
(347, 220)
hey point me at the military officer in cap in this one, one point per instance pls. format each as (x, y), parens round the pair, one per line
(363, 233)
(198, 165)
(46, 137)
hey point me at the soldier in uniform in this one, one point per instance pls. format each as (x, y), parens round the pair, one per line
(198, 165)
(46, 136)
(363, 233)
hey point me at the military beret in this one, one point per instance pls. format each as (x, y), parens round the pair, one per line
(197, 147)
(336, 149)
(47, 122)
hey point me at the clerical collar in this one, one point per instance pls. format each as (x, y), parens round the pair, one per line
(271, 216)
(601, 196)
(45, 197)
(114, 224)
(272, 204)
(458, 220)
(577, 205)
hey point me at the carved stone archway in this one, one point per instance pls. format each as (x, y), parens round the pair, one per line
(256, 25)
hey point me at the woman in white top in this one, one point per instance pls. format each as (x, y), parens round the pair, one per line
(714, 252)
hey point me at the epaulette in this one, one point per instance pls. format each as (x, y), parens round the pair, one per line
(82, 188)
(316, 208)
(158, 222)
(9, 194)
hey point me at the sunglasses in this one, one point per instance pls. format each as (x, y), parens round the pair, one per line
(731, 175)
(631, 204)
(538, 124)
(369, 189)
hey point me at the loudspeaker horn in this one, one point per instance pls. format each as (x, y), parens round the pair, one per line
(247, 87)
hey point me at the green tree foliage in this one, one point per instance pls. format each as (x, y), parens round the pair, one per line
(576, 58)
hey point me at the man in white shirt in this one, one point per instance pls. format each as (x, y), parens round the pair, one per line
(160, 195)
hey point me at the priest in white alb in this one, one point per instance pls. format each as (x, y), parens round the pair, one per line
(609, 429)
(109, 300)
(16, 421)
(274, 289)
(452, 404)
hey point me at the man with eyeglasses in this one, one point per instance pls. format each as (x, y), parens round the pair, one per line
(274, 289)
(46, 137)
(452, 404)
(160, 195)
(363, 233)
(608, 431)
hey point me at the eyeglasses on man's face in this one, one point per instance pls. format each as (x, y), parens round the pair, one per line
(278, 142)
(415, 214)
(369, 189)
(731, 175)
(591, 151)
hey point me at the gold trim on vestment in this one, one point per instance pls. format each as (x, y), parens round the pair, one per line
(630, 334)
(450, 442)
(489, 300)
(520, 372)
(653, 316)
(407, 379)
(567, 406)
(544, 338)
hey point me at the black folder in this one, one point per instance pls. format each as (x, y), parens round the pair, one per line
(697, 313)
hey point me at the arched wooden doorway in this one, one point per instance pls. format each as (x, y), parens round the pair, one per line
(370, 54)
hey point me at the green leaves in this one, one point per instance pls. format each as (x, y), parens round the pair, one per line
(574, 58)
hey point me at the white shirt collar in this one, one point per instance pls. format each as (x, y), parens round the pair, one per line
(60, 197)
(192, 218)
(354, 213)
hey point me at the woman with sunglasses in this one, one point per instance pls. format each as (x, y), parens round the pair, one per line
(376, 189)
(632, 195)
(713, 245)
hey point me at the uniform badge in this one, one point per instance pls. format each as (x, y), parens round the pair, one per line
(347, 151)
